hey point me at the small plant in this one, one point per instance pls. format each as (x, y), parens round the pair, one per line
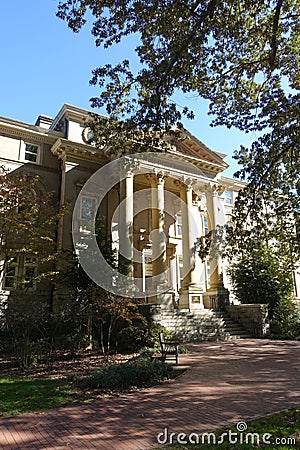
(182, 349)
(133, 338)
(147, 352)
(139, 373)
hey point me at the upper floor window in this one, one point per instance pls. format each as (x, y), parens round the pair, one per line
(32, 153)
(178, 224)
(88, 207)
(205, 226)
(228, 198)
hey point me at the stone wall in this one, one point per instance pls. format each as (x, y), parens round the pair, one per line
(253, 317)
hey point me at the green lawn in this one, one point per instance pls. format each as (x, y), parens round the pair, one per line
(279, 431)
(21, 395)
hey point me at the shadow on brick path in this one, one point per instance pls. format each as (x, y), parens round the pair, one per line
(227, 382)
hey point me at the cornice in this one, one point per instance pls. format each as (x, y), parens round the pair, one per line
(199, 162)
(64, 148)
(193, 144)
(232, 183)
(27, 132)
(71, 112)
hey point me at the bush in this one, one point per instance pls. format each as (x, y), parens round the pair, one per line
(139, 373)
(182, 350)
(261, 276)
(147, 352)
(286, 322)
(133, 338)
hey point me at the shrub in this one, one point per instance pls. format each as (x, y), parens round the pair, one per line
(139, 373)
(133, 338)
(147, 352)
(182, 349)
(286, 322)
(261, 276)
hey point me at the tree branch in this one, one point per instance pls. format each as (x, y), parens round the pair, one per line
(273, 42)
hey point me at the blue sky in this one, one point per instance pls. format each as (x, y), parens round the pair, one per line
(44, 64)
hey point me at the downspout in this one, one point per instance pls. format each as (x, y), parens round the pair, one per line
(62, 195)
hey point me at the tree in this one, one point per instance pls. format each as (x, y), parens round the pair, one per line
(28, 219)
(242, 56)
(100, 310)
(262, 275)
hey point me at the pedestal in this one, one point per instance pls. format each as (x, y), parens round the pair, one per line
(216, 298)
(191, 298)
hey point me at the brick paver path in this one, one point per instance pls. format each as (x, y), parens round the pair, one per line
(226, 383)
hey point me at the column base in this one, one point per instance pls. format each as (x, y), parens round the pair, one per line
(216, 297)
(191, 298)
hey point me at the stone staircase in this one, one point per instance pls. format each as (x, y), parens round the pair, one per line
(203, 325)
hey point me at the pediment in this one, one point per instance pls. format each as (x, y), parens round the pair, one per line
(198, 153)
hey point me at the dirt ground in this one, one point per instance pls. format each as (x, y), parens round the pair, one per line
(63, 366)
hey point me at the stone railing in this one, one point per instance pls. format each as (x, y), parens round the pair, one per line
(253, 317)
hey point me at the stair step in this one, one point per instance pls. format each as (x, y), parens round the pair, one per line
(205, 325)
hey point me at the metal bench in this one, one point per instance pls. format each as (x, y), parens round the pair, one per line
(169, 349)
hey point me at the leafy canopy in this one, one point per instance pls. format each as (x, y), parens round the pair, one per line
(240, 55)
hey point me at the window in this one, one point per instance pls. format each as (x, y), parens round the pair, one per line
(179, 225)
(207, 274)
(29, 273)
(21, 269)
(88, 207)
(180, 271)
(10, 278)
(32, 153)
(228, 198)
(205, 226)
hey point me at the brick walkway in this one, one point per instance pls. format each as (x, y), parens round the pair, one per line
(227, 382)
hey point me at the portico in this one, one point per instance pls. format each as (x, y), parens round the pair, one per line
(161, 249)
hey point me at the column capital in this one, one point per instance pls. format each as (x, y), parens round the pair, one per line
(156, 178)
(214, 188)
(128, 166)
(184, 183)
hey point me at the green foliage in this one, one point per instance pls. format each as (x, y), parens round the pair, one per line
(182, 350)
(28, 218)
(234, 54)
(133, 338)
(259, 275)
(138, 373)
(148, 352)
(285, 323)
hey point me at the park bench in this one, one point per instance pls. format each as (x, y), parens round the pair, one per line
(169, 349)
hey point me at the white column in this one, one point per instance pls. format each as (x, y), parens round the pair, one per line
(186, 195)
(158, 229)
(191, 292)
(126, 222)
(216, 217)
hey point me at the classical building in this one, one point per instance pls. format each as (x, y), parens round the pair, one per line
(156, 209)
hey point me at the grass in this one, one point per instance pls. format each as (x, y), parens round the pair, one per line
(284, 426)
(22, 395)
